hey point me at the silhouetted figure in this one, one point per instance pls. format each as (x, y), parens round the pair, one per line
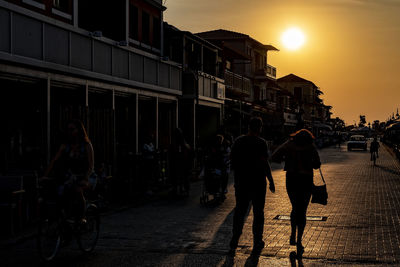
(149, 163)
(301, 157)
(226, 147)
(374, 147)
(72, 166)
(249, 158)
(339, 139)
(215, 169)
(180, 163)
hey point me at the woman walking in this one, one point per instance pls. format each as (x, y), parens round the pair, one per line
(301, 157)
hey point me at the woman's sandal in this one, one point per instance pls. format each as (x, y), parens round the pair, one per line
(300, 250)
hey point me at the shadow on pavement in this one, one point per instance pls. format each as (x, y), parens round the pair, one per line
(294, 260)
(389, 170)
(252, 260)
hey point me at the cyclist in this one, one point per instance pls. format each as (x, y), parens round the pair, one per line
(374, 147)
(73, 165)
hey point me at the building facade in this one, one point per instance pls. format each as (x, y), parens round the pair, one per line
(203, 86)
(61, 60)
(253, 89)
(309, 108)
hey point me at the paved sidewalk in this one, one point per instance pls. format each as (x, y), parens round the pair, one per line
(363, 223)
(362, 226)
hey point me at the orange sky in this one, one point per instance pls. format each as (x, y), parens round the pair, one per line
(352, 51)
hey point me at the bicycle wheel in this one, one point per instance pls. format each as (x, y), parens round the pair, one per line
(374, 158)
(88, 233)
(49, 238)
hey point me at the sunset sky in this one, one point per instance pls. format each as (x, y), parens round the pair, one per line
(351, 51)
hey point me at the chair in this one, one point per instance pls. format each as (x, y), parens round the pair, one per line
(11, 191)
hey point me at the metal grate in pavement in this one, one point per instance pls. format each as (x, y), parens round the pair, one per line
(309, 218)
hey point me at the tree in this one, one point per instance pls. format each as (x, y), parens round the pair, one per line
(362, 121)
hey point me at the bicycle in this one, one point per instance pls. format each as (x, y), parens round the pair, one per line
(56, 228)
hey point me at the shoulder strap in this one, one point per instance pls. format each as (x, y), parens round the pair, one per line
(322, 175)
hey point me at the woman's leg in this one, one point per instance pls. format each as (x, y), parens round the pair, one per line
(304, 200)
(293, 214)
(80, 204)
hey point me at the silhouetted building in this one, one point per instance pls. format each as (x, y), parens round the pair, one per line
(253, 88)
(309, 107)
(68, 59)
(203, 88)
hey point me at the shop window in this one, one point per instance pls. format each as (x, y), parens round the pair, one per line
(145, 28)
(133, 22)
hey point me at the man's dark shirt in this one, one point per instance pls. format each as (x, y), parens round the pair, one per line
(374, 146)
(249, 161)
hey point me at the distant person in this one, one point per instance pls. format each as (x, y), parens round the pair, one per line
(215, 167)
(149, 163)
(374, 147)
(180, 164)
(249, 158)
(72, 166)
(339, 139)
(301, 157)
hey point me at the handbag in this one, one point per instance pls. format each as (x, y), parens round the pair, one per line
(319, 193)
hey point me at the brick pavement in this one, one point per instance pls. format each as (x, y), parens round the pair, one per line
(363, 211)
(362, 226)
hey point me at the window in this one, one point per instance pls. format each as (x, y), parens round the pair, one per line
(133, 22)
(298, 92)
(36, 3)
(248, 51)
(156, 32)
(62, 5)
(145, 28)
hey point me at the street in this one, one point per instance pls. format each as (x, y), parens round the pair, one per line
(362, 225)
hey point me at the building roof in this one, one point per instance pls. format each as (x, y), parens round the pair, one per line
(234, 53)
(294, 78)
(192, 36)
(222, 34)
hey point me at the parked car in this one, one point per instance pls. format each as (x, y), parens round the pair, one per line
(357, 141)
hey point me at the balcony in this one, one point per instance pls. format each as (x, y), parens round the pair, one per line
(237, 84)
(210, 86)
(37, 41)
(269, 71)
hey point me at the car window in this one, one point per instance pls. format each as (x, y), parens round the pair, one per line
(357, 138)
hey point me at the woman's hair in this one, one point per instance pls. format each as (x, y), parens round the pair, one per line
(303, 136)
(82, 135)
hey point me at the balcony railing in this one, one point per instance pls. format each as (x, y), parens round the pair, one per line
(268, 71)
(210, 86)
(32, 39)
(271, 71)
(237, 82)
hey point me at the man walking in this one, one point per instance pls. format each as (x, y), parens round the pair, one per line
(249, 157)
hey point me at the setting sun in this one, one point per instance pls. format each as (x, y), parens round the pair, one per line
(293, 38)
